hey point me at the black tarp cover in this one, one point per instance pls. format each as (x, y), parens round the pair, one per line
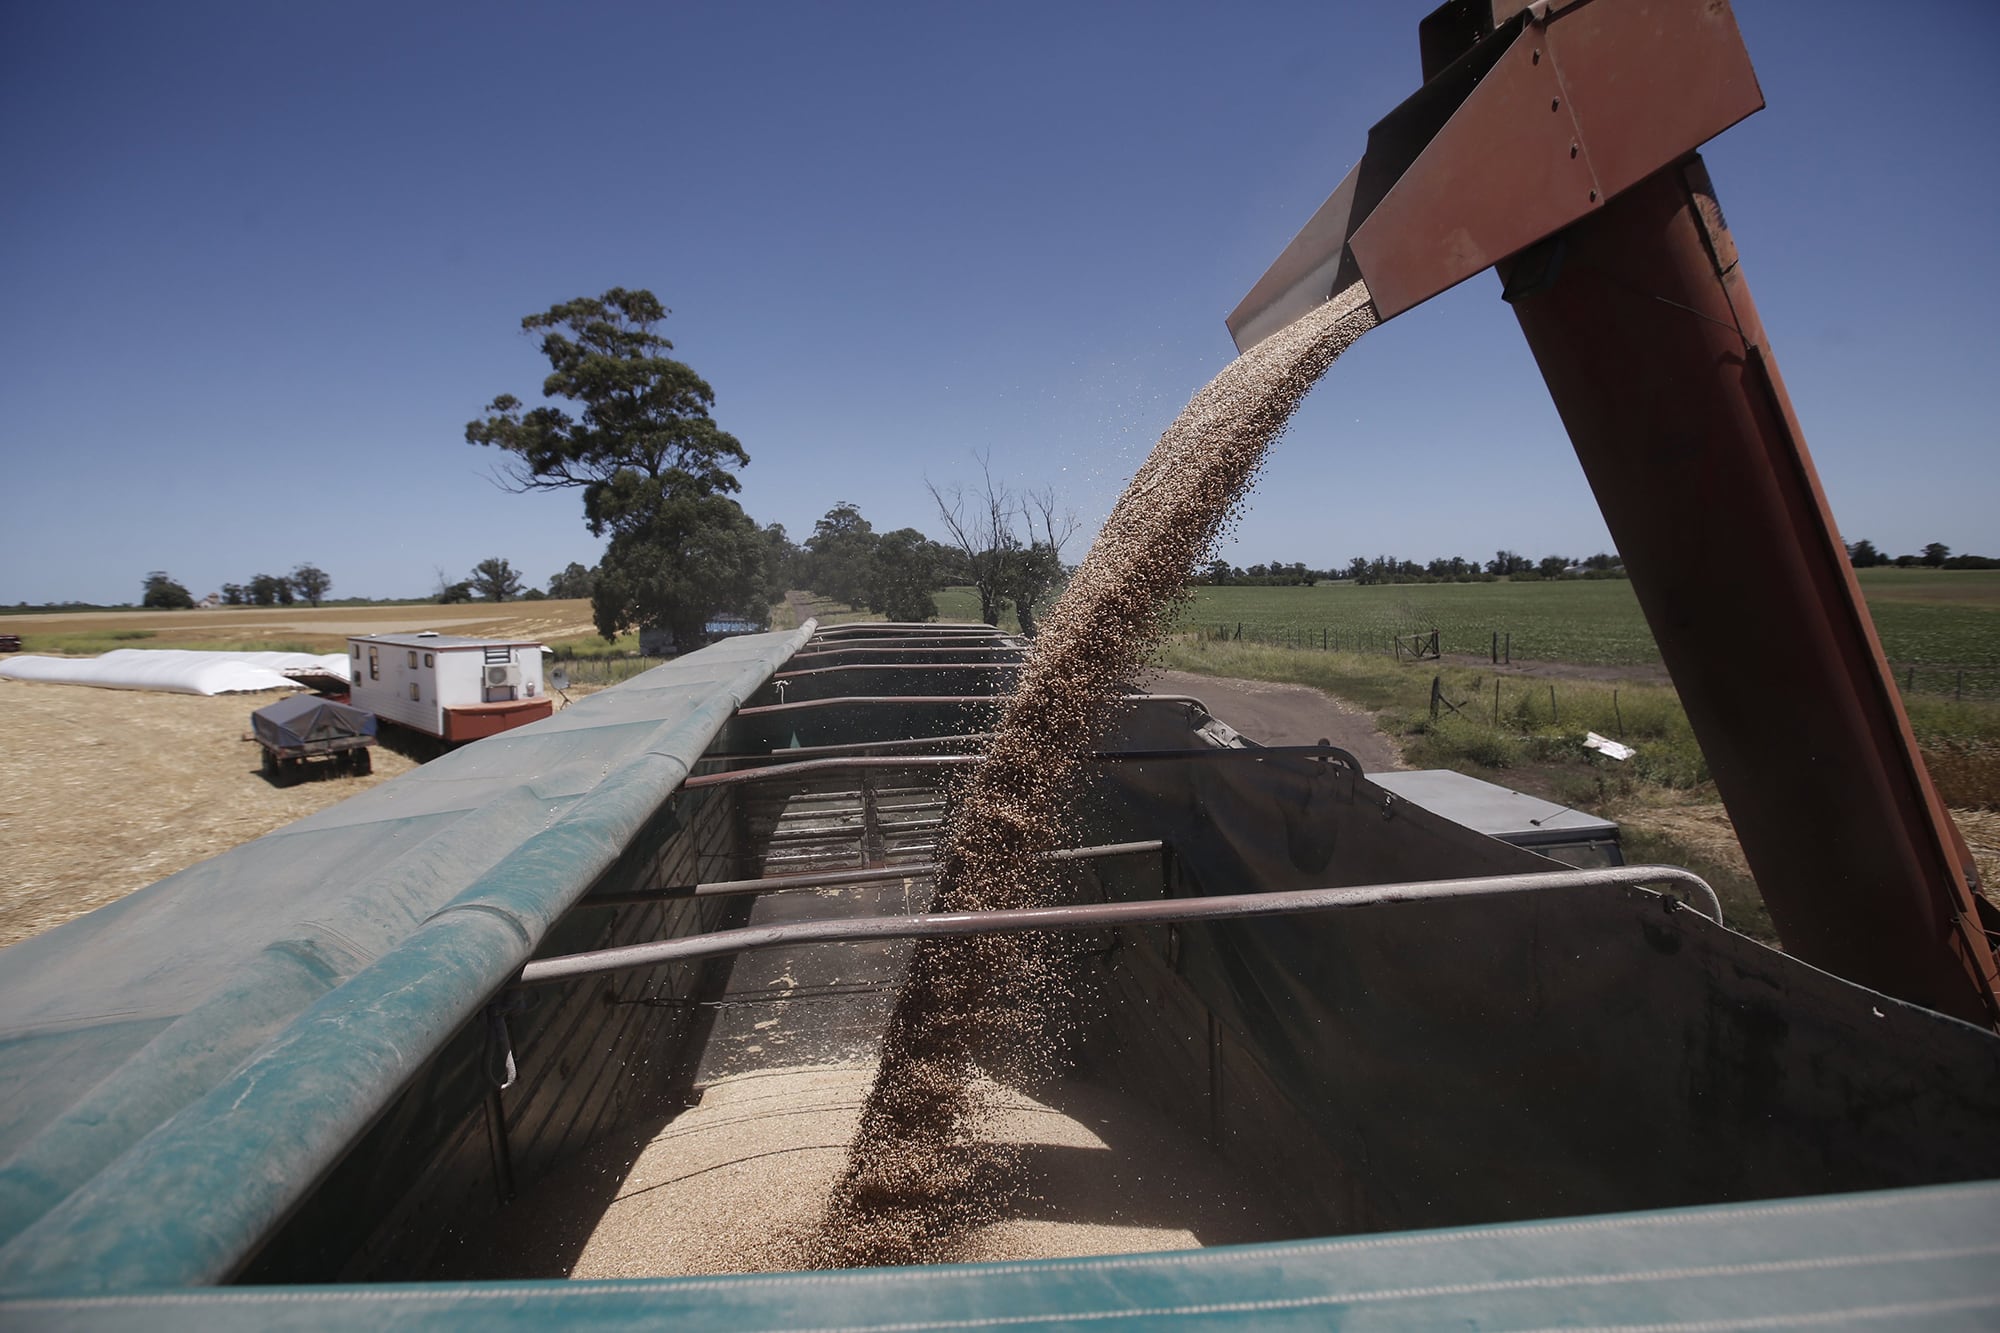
(303, 718)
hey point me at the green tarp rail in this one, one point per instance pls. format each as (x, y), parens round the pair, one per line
(182, 1066)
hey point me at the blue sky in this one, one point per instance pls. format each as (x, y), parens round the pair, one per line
(260, 264)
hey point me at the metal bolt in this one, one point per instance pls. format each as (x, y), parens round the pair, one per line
(1555, 103)
(1538, 55)
(1593, 196)
(1572, 150)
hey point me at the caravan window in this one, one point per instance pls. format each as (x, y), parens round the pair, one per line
(374, 664)
(413, 689)
(413, 659)
(429, 660)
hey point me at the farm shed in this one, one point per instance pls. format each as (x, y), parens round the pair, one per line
(443, 685)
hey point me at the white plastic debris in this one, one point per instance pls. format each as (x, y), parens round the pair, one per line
(1605, 745)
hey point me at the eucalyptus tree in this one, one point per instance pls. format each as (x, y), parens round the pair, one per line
(630, 427)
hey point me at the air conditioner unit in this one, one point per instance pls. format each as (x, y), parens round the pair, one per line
(498, 676)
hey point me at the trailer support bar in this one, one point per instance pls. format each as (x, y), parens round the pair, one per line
(836, 879)
(1091, 916)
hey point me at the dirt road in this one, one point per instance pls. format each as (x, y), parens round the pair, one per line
(1284, 714)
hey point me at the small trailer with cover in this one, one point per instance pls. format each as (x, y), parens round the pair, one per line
(310, 729)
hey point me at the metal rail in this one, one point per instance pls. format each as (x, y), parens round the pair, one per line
(804, 672)
(792, 753)
(838, 879)
(771, 772)
(1247, 754)
(989, 700)
(1091, 916)
(1011, 654)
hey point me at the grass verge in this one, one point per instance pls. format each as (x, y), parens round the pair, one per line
(1527, 733)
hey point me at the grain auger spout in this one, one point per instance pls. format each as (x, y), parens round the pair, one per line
(1555, 142)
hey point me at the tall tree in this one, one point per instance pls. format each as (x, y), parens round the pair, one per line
(691, 557)
(495, 579)
(163, 593)
(312, 582)
(902, 572)
(655, 470)
(573, 582)
(784, 561)
(271, 590)
(840, 555)
(1035, 571)
(1011, 544)
(1936, 554)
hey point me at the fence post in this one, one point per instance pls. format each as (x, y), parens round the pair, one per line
(1436, 682)
(1239, 629)
(1496, 647)
(1322, 638)
(1554, 717)
(1510, 647)
(1496, 701)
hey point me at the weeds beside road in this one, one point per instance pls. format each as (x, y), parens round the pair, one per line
(1533, 741)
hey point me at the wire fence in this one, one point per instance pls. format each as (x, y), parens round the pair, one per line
(1419, 640)
(600, 670)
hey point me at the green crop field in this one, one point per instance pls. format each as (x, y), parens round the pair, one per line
(1595, 621)
(1935, 623)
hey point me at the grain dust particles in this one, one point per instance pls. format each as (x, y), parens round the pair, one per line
(923, 1170)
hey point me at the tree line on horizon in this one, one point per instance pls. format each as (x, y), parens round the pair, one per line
(1936, 555)
(1388, 569)
(307, 582)
(493, 579)
(631, 430)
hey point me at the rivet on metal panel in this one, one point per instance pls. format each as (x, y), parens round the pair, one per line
(1555, 103)
(1537, 57)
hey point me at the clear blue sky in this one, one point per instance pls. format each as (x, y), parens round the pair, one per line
(260, 263)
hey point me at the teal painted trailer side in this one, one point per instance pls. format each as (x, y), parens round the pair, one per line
(304, 1096)
(178, 1066)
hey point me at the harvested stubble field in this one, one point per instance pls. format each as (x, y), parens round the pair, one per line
(105, 791)
(322, 629)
